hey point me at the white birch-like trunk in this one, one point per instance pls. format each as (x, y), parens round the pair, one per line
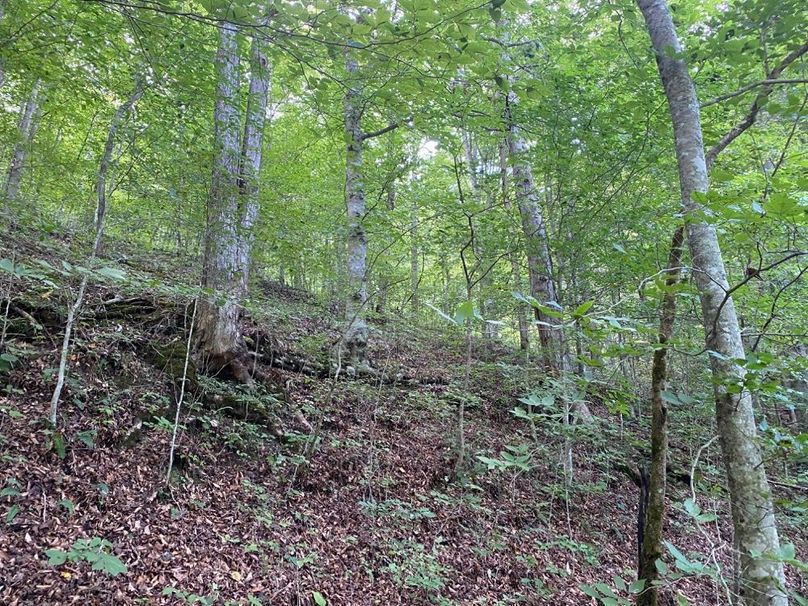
(106, 157)
(100, 214)
(218, 343)
(762, 580)
(251, 150)
(25, 137)
(539, 263)
(356, 336)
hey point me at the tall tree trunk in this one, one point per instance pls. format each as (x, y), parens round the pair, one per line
(106, 159)
(356, 336)
(74, 310)
(414, 258)
(219, 345)
(251, 150)
(539, 264)
(651, 545)
(521, 316)
(762, 580)
(25, 137)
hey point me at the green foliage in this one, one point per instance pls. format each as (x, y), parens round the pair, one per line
(95, 551)
(412, 565)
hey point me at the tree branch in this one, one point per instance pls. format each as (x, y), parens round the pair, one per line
(383, 131)
(748, 87)
(748, 120)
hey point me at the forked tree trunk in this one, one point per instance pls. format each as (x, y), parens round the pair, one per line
(356, 336)
(762, 580)
(25, 137)
(219, 345)
(651, 546)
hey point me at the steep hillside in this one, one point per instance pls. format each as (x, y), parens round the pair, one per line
(313, 486)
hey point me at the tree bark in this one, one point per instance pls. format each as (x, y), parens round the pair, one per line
(356, 336)
(521, 316)
(762, 580)
(251, 153)
(472, 156)
(539, 264)
(25, 137)
(106, 158)
(415, 266)
(651, 543)
(219, 346)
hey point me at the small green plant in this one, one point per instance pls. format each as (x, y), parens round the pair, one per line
(411, 565)
(11, 492)
(515, 457)
(609, 597)
(95, 551)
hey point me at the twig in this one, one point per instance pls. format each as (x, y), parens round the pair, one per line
(182, 396)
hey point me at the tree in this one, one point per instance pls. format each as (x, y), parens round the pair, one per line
(233, 206)
(29, 117)
(762, 578)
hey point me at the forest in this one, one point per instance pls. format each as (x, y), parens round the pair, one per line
(357, 302)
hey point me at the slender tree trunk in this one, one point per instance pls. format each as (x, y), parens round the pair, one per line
(219, 344)
(100, 214)
(251, 150)
(521, 316)
(762, 580)
(106, 158)
(25, 137)
(414, 258)
(356, 337)
(536, 243)
(651, 545)
(472, 156)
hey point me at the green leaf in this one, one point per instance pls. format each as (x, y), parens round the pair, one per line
(56, 557)
(464, 312)
(318, 598)
(58, 443)
(69, 505)
(87, 437)
(637, 586)
(112, 273)
(582, 309)
(12, 513)
(605, 589)
(109, 564)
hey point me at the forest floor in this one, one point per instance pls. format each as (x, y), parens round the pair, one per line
(337, 491)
